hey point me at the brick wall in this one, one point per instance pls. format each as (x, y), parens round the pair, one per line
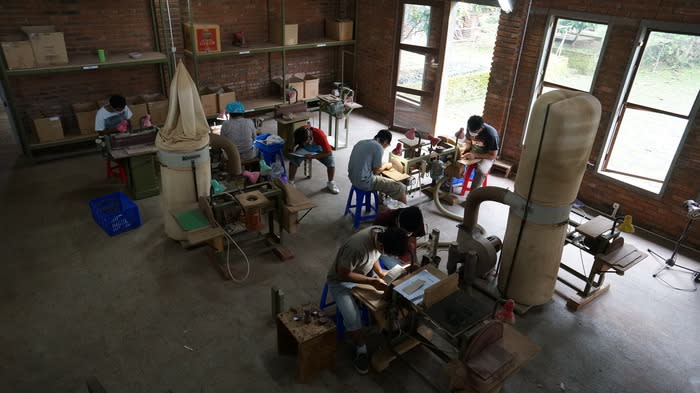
(665, 215)
(126, 26)
(121, 28)
(375, 33)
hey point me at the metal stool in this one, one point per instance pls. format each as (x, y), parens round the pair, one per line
(363, 199)
(468, 177)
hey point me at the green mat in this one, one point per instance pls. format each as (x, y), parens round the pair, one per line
(191, 219)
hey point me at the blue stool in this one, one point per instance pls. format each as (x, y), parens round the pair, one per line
(339, 326)
(363, 201)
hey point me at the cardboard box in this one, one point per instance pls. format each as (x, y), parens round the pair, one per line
(18, 54)
(85, 115)
(207, 37)
(157, 107)
(47, 128)
(297, 84)
(310, 86)
(339, 29)
(223, 98)
(291, 33)
(47, 44)
(139, 110)
(207, 95)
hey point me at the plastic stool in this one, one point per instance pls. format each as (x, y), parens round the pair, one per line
(468, 177)
(363, 199)
(114, 169)
(339, 326)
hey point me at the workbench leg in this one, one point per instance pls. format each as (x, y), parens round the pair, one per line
(337, 130)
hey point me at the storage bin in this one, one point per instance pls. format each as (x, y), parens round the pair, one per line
(115, 213)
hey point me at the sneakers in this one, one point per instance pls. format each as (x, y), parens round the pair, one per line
(361, 363)
(332, 187)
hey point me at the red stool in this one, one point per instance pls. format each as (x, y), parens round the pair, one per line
(468, 176)
(115, 169)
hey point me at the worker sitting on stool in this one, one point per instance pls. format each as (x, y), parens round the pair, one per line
(365, 166)
(311, 142)
(484, 146)
(357, 258)
(240, 130)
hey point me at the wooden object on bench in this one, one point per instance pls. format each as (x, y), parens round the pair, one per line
(313, 343)
(504, 166)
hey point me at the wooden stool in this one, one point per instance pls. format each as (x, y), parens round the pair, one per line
(313, 343)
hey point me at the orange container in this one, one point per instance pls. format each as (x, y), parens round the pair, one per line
(253, 219)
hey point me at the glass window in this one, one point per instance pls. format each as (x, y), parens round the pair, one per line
(651, 126)
(573, 54)
(416, 24)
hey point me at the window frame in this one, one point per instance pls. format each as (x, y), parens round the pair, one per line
(543, 57)
(646, 27)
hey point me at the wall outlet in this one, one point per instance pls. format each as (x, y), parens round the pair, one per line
(616, 207)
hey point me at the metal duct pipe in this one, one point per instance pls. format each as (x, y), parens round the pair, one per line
(233, 164)
(560, 136)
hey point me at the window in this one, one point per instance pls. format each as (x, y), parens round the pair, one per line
(654, 109)
(571, 56)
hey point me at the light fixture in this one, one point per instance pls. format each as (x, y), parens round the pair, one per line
(506, 5)
(626, 225)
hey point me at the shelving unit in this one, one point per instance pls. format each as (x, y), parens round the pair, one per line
(276, 53)
(73, 143)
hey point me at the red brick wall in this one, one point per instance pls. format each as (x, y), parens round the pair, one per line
(375, 34)
(126, 26)
(120, 28)
(665, 215)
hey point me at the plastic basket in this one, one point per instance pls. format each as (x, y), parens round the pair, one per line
(115, 213)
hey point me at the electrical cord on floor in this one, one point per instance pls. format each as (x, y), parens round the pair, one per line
(228, 258)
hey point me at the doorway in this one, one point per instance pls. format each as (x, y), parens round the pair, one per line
(471, 40)
(418, 66)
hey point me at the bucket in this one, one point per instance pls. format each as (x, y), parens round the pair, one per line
(253, 219)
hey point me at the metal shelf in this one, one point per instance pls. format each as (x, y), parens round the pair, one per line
(267, 48)
(88, 62)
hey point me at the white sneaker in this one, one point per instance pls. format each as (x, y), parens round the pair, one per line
(332, 187)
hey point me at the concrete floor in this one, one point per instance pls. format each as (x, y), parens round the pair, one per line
(143, 314)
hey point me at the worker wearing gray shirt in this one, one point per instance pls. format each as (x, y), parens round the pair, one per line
(365, 166)
(240, 131)
(357, 262)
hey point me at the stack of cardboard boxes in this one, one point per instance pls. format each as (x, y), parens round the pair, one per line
(44, 47)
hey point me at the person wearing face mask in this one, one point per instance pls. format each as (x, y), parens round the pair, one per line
(311, 142)
(483, 146)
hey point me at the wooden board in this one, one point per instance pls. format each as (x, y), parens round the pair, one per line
(395, 175)
(440, 290)
(574, 301)
(595, 227)
(382, 358)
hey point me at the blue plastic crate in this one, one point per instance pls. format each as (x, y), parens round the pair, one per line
(115, 213)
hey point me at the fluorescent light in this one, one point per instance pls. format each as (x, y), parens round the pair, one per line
(506, 5)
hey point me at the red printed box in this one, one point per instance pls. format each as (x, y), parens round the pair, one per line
(207, 37)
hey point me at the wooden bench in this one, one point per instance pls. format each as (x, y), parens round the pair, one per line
(504, 166)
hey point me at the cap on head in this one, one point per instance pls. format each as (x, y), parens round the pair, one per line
(235, 107)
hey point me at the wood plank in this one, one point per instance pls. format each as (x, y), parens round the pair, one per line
(441, 290)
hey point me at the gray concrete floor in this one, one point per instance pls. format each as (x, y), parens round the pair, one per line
(77, 303)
